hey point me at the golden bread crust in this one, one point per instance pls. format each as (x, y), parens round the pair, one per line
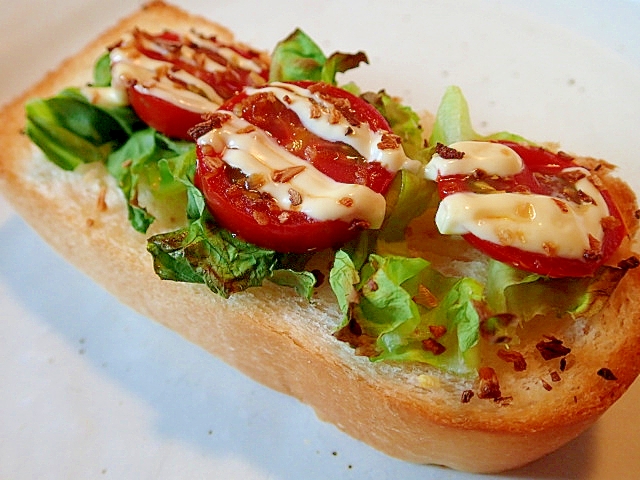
(411, 412)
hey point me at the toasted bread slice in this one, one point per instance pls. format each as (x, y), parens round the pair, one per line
(412, 412)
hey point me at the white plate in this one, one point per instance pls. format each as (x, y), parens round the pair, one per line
(89, 389)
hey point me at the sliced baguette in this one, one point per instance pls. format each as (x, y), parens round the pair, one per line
(413, 412)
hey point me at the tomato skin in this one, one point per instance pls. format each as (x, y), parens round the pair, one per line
(237, 212)
(541, 167)
(256, 217)
(164, 116)
(325, 157)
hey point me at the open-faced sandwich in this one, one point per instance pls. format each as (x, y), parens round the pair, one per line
(445, 296)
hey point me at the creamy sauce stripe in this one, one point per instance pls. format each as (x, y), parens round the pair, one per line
(322, 198)
(151, 76)
(254, 152)
(530, 222)
(323, 122)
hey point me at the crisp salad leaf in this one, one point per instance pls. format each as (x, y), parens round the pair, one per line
(527, 295)
(298, 57)
(145, 162)
(453, 122)
(410, 192)
(202, 252)
(386, 299)
(456, 312)
(408, 196)
(404, 122)
(71, 131)
(102, 71)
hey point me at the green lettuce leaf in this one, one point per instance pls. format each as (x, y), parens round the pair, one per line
(404, 122)
(408, 196)
(71, 131)
(456, 312)
(144, 162)
(453, 122)
(410, 192)
(298, 57)
(204, 253)
(527, 295)
(382, 298)
(102, 71)
(343, 278)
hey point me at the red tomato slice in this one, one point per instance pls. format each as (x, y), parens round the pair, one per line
(255, 216)
(171, 117)
(541, 175)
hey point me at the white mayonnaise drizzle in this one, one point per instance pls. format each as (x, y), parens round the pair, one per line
(491, 158)
(255, 152)
(156, 77)
(327, 123)
(530, 222)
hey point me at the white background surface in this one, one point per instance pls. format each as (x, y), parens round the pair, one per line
(89, 389)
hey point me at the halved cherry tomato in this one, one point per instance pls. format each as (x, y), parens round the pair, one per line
(255, 216)
(542, 174)
(173, 118)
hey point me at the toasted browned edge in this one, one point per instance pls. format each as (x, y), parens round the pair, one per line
(273, 336)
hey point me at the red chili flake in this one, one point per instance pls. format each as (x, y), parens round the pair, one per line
(335, 116)
(563, 206)
(284, 216)
(448, 153)
(607, 374)
(437, 330)
(550, 248)
(629, 263)
(552, 348)
(211, 121)
(610, 222)
(555, 376)
(286, 174)
(511, 356)
(316, 111)
(563, 364)
(388, 141)
(546, 386)
(346, 202)
(467, 395)
(488, 385)
(593, 253)
(372, 285)
(585, 198)
(425, 298)
(503, 401)
(359, 225)
(247, 129)
(261, 218)
(433, 346)
(102, 200)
